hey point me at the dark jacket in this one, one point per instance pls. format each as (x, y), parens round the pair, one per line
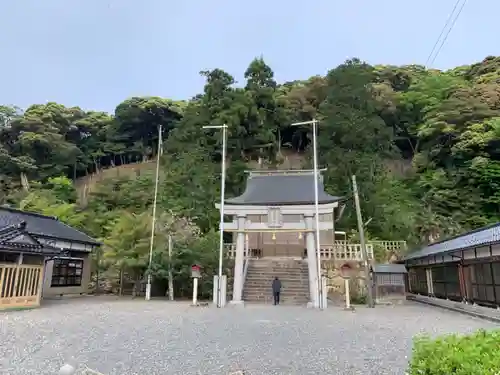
(276, 286)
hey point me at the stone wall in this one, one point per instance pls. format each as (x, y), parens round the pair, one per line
(336, 284)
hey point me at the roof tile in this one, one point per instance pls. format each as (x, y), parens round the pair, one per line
(478, 237)
(41, 225)
(282, 188)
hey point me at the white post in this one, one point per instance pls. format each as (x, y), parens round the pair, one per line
(311, 262)
(153, 220)
(316, 207)
(170, 276)
(221, 219)
(223, 290)
(314, 122)
(347, 294)
(238, 262)
(324, 287)
(216, 288)
(195, 291)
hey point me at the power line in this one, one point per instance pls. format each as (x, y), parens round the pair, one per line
(435, 52)
(442, 32)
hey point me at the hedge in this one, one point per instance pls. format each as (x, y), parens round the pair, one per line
(474, 354)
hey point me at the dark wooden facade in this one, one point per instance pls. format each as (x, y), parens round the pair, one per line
(465, 268)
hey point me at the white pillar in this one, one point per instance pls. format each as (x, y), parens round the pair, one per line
(311, 262)
(238, 262)
(195, 291)
(223, 290)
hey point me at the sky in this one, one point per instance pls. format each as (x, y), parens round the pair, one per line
(96, 53)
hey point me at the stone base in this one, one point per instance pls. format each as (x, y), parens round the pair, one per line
(310, 305)
(237, 303)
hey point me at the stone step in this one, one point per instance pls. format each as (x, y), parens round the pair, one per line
(283, 276)
(274, 274)
(303, 289)
(283, 290)
(284, 266)
(284, 287)
(301, 293)
(263, 296)
(293, 275)
(282, 301)
(270, 282)
(290, 266)
(270, 278)
(278, 269)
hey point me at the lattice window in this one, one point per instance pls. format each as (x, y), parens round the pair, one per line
(393, 279)
(67, 272)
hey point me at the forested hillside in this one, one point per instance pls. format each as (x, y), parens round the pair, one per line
(424, 145)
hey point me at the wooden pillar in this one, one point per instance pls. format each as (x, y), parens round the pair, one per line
(430, 286)
(461, 278)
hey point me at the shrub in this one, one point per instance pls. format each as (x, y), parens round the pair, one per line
(475, 354)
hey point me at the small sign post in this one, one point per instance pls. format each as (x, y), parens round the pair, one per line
(346, 273)
(195, 274)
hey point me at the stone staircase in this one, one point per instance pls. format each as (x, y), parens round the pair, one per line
(292, 273)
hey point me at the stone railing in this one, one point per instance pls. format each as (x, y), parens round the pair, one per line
(391, 246)
(341, 250)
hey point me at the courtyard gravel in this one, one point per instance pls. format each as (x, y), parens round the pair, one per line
(158, 337)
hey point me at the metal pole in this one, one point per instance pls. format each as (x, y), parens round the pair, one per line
(314, 124)
(221, 219)
(153, 220)
(363, 244)
(316, 207)
(170, 276)
(98, 261)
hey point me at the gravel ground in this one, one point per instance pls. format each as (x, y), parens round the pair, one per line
(160, 337)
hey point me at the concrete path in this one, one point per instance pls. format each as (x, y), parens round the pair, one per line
(158, 337)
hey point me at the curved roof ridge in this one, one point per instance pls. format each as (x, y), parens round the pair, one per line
(264, 189)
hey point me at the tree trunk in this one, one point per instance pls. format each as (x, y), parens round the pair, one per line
(136, 289)
(120, 291)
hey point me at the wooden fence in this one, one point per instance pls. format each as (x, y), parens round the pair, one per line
(20, 286)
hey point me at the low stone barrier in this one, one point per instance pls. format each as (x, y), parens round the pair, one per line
(477, 311)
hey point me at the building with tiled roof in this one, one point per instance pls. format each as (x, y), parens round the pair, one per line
(40, 255)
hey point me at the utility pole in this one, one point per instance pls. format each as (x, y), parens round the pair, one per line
(221, 218)
(170, 276)
(153, 220)
(363, 243)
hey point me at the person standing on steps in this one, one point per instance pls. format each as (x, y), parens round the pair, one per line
(276, 290)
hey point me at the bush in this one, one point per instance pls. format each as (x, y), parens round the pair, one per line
(475, 354)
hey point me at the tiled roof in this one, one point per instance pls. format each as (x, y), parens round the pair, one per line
(478, 237)
(389, 268)
(282, 188)
(42, 226)
(14, 238)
